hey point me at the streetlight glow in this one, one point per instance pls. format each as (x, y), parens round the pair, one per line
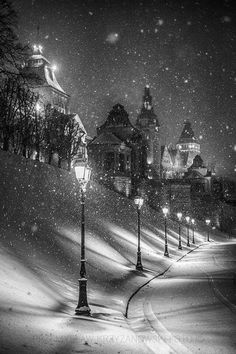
(208, 221)
(37, 107)
(179, 216)
(165, 211)
(82, 172)
(187, 219)
(138, 201)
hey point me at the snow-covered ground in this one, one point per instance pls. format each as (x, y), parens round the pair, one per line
(40, 256)
(192, 307)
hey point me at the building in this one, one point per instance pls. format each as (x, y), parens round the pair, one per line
(123, 155)
(116, 153)
(42, 80)
(175, 161)
(40, 74)
(148, 124)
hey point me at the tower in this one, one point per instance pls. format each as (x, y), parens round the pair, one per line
(188, 144)
(148, 123)
(42, 79)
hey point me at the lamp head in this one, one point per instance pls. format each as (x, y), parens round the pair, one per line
(187, 219)
(193, 221)
(138, 201)
(165, 211)
(179, 216)
(208, 221)
(82, 172)
(37, 107)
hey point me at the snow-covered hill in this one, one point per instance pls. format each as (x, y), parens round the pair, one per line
(40, 256)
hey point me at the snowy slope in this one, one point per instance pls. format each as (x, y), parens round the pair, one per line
(40, 250)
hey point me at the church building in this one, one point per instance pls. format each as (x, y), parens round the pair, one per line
(43, 81)
(176, 160)
(123, 155)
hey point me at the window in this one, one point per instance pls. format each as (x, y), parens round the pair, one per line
(121, 162)
(109, 161)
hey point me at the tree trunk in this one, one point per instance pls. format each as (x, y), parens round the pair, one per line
(69, 164)
(6, 143)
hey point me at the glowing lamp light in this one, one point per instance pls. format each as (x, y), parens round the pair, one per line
(187, 219)
(165, 211)
(179, 216)
(193, 221)
(37, 107)
(138, 201)
(82, 172)
(37, 48)
(54, 67)
(208, 221)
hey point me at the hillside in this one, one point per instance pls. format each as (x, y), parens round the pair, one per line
(40, 255)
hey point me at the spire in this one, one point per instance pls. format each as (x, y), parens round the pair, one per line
(147, 117)
(147, 98)
(187, 135)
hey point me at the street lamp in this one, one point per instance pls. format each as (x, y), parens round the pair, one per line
(37, 143)
(165, 211)
(138, 201)
(179, 216)
(208, 221)
(193, 223)
(82, 172)
(188, 220)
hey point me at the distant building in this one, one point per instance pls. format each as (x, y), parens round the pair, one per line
(116, 153)
(175, 161)
(42, 80)
(123, 155)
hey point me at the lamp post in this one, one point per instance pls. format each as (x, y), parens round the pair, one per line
(208, 221)
(193, 223)
(179, 216)
(188, 220)
(37, 111)
(165, 211)
(138, 201)
(82, 172)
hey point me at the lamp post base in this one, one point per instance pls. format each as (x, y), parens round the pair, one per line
(82, 307)
(139, 265)
(166, 253)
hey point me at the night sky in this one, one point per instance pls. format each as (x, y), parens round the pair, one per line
(107, 51)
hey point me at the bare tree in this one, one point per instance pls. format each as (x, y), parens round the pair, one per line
(73, 140)
(12, 53)
(9, 110)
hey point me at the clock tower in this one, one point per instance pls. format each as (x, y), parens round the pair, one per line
(148, 123)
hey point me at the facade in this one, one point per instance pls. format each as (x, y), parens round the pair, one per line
(123, 155)
(175, 161)
(116, 153)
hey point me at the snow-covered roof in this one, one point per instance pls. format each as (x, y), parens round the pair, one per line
(106, 138)
(51, 78)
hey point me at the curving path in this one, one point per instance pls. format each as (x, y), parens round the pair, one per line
(192, 307)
